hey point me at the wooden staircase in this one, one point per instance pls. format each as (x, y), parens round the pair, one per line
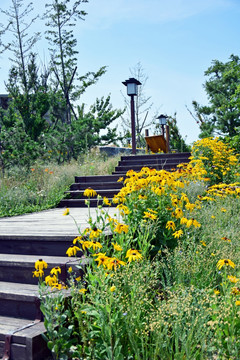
(21, 324)
(108, 185)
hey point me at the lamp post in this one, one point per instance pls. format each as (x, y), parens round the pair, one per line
(132, 85)
(162, 121)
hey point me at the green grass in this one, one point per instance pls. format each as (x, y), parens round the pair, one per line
(42, 187)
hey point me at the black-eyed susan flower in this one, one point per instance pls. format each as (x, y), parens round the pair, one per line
(178, 213)
(117, 247)
(85, 244)
(170, 225)
(96, 245)
(55, 271)
(95, 233)
(72, 251)
(40, 264)
(133, 255)
(121, 228)
(224, 238)
(235, 291)
(38, 273)
(177, 234)
(149, 215)
(106, 201)
(77, 239)
(66, 212)
(114, 263)
(89, 192)
(82, 291)
(233, 279)
(51, 280)
(225, 262)
(101, 258)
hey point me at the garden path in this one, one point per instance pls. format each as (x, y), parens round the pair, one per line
(49, 222)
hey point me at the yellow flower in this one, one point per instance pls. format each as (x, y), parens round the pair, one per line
(112, 288)
(66, 212)
(86, 244)
(50, 280)
(226, 262)
(77, 239)
(133, 255)
(233, 279)
(178, 234)
(96, 245)
(70, 269)
(89, 192)
(72, 251)
(203, 243)
(101, 259)
(225, 239)
(117, 247)
(121, 228)
(190, 206)
(178, 213)
(56, 270)
(106, 201)
(237, 303)
(183, 221)
(114, 263)
(223, 209)
(38, 273)
(120, 179)
(149, 215)
(40, 264)
(95, 233)
(170, 225)
(213, 217)
(82, 291)
(216, 292)
(78, 278)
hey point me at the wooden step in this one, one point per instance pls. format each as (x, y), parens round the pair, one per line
(26, 341)
(18, 300)
(51, 245)
(97, 186)
(19, 268)
(68, 203)
(147, 157)
(96, 179)
(78, 194)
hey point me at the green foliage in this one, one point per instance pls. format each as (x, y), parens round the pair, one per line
(222, 115)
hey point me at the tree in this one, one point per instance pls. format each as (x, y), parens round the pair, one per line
(22, 44)
(222, 115)
(142, 106)
(61, 18)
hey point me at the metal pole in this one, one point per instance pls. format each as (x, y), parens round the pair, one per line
(146, 135)
(133, 126)
(167, 139)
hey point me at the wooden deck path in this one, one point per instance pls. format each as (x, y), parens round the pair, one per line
(49, 222)
(23, 240)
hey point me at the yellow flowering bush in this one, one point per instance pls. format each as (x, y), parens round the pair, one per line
(217, 158)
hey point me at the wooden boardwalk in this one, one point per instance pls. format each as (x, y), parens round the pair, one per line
(49, 222)
(23, 240)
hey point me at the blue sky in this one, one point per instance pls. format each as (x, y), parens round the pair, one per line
(174, 40)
